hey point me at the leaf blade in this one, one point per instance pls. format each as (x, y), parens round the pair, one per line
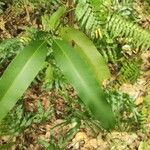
(88, 51)
(87, 87)
(19, 74)
(50, 23)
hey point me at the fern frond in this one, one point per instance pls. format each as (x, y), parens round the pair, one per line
(122, 5)
(129, 72)
(92, 14)
(9, 48)
(120, 27)
(145, 113)
(108, 48)
(122, 102)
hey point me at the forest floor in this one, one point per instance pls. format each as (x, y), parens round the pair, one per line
(37, 134)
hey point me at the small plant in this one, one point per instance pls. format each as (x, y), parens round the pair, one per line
(122, 104)
(18, 119)
(9, 48)
(145, 113)
(74, 53)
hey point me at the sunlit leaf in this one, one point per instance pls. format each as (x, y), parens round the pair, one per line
(19, 75)
(82, 79)
(88, 51)
(51, 22)
(49, 74)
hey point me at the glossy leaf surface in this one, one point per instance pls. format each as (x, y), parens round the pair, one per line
(88, 51)
(82, 79)
(19, 75)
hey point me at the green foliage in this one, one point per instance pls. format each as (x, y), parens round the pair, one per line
(120, 27)
(123, 7)
(19, 75)
(145, 114)
(86, 49)
(108, 48)
(49, 75)
(18, 119)
(51, 23)
(30, 34)
(87, 87)
(101, 19)
(92, 14)
(9, 48)
(103, 22)
(49, 146)
(144, 145)
(129, 72)
(6, 146)
(96, 15)
(122, 105)
(63, 139)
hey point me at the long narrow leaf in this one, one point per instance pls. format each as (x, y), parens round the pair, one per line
(19, 75)
(51, 22)
(80, 76)
(88, 51)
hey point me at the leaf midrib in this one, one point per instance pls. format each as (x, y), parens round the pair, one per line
(81, 79)
(21, 70)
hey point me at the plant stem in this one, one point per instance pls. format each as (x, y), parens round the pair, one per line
(71, 13)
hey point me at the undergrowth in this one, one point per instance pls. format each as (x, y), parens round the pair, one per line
(112, 28)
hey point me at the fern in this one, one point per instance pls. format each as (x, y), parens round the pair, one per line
(9, 48)
(95, 15)
(145, 113)
(124, 7)
(129, 73)
(28, 35)
(122, 104)
(18, 120)
(92, 14)
(120, 27)
(108, 48)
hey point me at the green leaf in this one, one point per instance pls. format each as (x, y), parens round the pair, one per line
(51, 23)
(19, 75)
(82, 79)
(49, 74)
(88, 51)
